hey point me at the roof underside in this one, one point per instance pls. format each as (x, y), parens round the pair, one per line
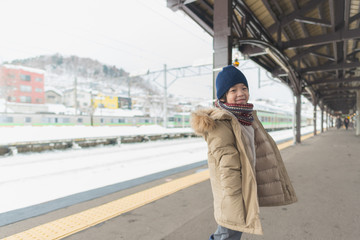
(313, 46)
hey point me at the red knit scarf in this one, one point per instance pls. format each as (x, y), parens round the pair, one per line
(243, 112)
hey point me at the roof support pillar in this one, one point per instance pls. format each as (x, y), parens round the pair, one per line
(322, 119)
(314, 118)
(298, 117)
(314, 102)
(358, 113)
(327, 119)
(296, 87)
(222, 44)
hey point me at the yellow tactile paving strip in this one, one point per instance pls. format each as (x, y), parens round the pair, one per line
(67, 226)
(289, 143)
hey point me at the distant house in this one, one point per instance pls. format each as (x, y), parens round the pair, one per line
(101, 100)
(83, 99)
(22, 84)
(124, 103)
(105, 101)
(53, 96)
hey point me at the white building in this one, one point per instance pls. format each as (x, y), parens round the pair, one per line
(53, 96)
(83, 103)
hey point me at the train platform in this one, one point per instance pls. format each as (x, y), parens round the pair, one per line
(324, 169)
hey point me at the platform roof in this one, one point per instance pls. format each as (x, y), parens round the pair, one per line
(311, 45)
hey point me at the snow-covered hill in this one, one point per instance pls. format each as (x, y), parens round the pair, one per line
(63, 72)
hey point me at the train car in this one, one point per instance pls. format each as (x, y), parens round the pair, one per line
(45, 119)
(276, 118)
(272, 118)
(180, 120)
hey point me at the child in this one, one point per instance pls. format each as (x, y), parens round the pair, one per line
(246, 168)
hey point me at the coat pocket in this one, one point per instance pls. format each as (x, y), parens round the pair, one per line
(232, 209)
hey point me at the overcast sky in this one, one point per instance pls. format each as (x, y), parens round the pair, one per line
(127, 33)
(135, 35)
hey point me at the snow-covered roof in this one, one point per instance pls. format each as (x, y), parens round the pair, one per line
(56, 108)
(28, 69)
(80, 89)
(47, 88)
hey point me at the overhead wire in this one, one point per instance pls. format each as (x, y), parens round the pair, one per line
(167, 19)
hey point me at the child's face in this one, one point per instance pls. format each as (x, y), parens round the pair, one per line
(238, 94)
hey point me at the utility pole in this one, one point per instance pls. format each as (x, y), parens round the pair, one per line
(129, 85)
(75, 96)
(358, 113)
(91, 109)
(165, 98)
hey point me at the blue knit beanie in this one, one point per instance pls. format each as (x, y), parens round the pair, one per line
(227, 78)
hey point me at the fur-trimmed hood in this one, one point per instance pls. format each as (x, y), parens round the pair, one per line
(203, 121)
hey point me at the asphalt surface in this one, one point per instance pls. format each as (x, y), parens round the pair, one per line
(325, 171)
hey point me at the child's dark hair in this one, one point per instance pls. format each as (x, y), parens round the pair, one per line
(223, 98)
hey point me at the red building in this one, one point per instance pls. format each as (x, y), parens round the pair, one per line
(22, 84)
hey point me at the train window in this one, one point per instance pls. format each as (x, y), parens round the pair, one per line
(49, 120)
(4, 119)
(28, 119)
(79, 120)
(101, 120)
(121, 120)
(145, 120)
(45, 120)
(66, 120)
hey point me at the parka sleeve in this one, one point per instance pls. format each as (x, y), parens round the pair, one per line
(222, 144)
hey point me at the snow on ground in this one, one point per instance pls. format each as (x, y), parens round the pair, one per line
(43, 133)
(28, 179)
(32, 178)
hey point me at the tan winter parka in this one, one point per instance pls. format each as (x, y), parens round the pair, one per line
(238, 190)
